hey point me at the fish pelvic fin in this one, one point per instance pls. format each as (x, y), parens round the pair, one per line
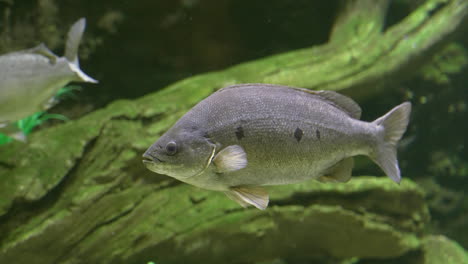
(249, 195)
(394, 124)
(71, 49)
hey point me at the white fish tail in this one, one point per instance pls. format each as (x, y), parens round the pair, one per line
(394, 124)
(71, 49)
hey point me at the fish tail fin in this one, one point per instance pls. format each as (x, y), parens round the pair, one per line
(71, 49)
(394, 124)
(73, 40)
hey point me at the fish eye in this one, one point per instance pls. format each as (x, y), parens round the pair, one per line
(171, 148)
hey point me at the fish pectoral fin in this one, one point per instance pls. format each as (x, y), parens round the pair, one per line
(249, 195)
(340, 172)
(231, 158)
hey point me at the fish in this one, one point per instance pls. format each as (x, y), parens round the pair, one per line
(30, 78)
(247, 136)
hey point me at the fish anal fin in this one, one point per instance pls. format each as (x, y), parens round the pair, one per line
(249, 195)
(231, 158)
(340, 172)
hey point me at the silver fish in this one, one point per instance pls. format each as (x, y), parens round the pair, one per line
(30, 78)
(246, 136)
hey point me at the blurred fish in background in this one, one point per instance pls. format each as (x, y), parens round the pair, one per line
(30, 80)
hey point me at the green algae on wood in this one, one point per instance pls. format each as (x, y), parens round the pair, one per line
(185, 219)
(449, 60)
(406, 211)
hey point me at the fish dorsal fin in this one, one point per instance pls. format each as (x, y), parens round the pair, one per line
(340, 172)
(73, 40)
(345, 103)
(42, 49)
(340, 101)
(253, 85)
(249, 195)
(230, 158)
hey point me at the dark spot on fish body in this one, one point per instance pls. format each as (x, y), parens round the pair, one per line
(239, 132)
(317, 133)
(298, 133)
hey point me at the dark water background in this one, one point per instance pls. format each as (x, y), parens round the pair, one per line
(138, 47)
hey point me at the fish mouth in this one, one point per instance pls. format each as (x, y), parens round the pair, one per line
(148, 159)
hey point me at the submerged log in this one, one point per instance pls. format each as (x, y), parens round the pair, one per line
(78, 192)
